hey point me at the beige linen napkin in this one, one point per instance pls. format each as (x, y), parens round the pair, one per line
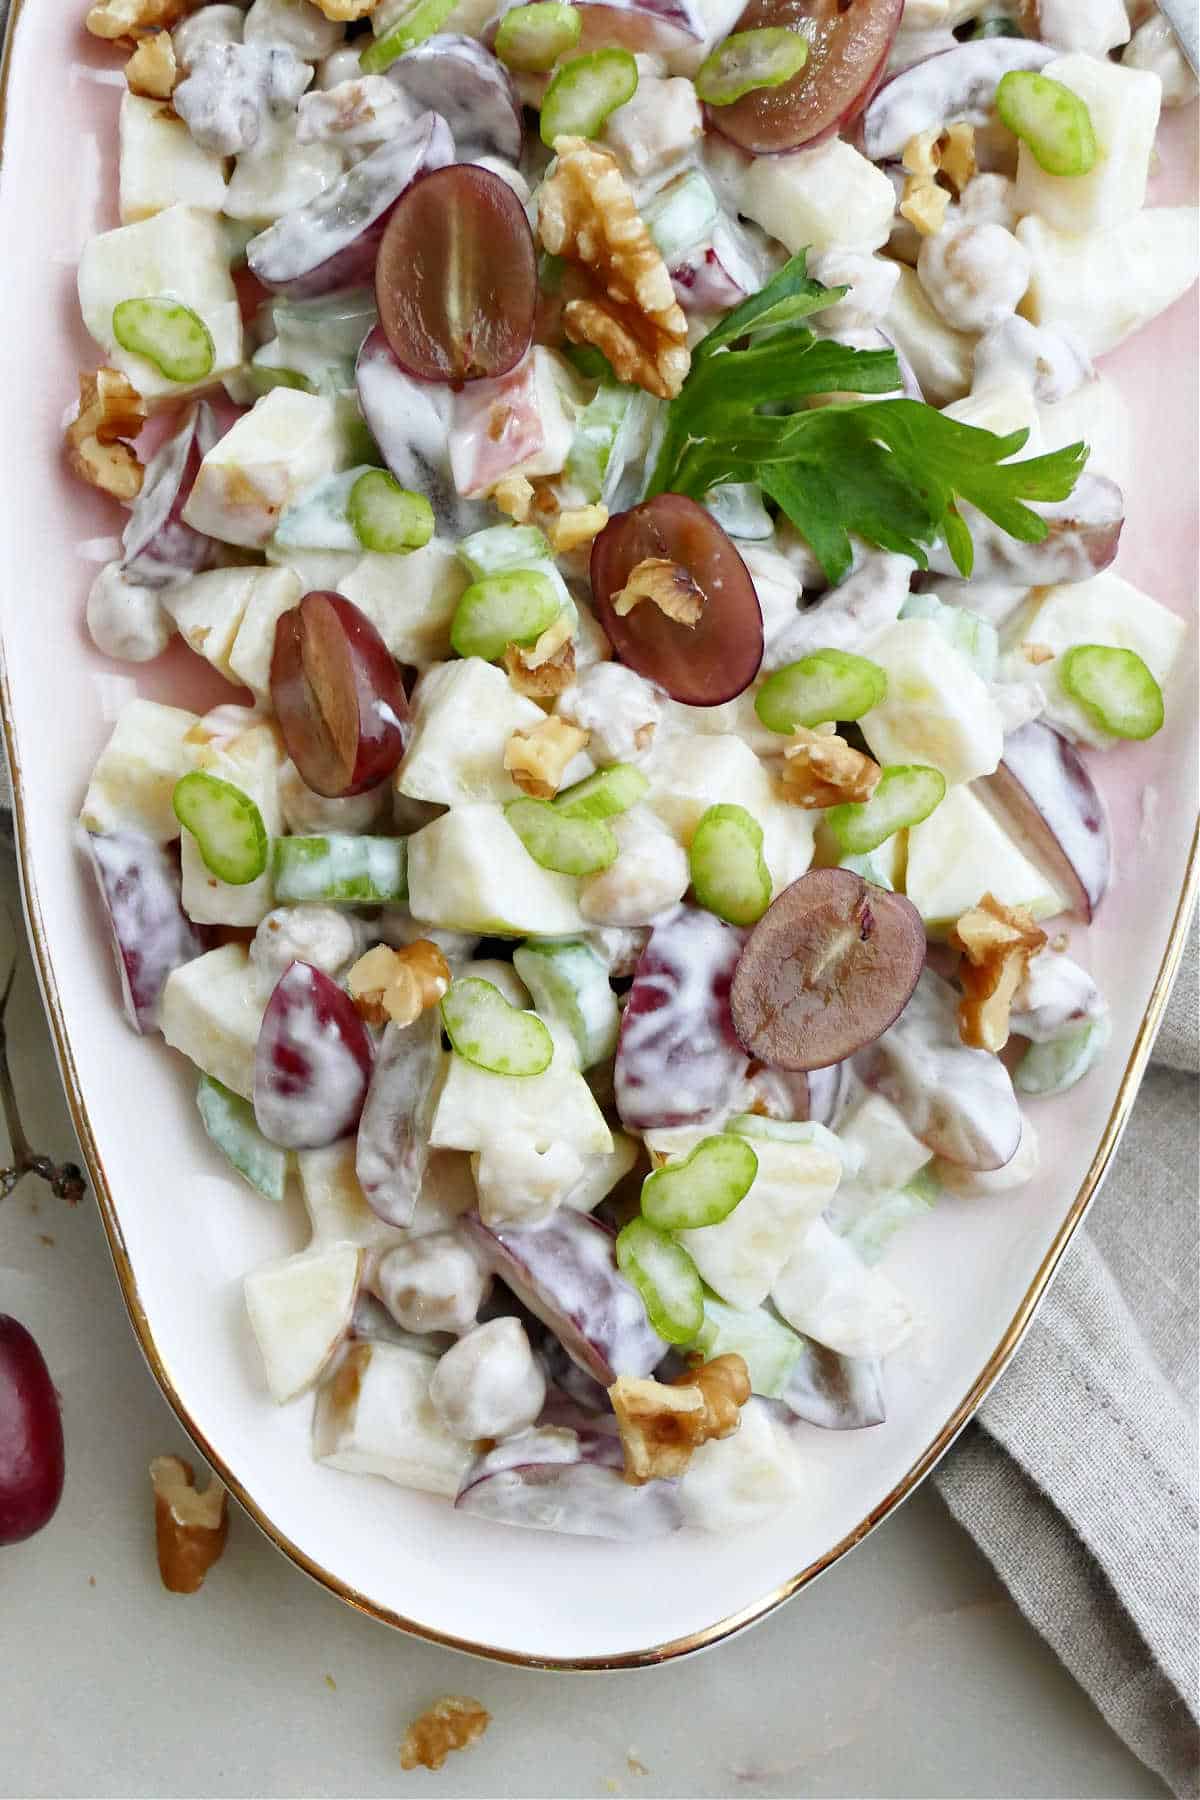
(1079, 1477)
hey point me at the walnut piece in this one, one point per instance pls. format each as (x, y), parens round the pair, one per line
(398, 984)
(670, 587)
(948, 153)
(110, 411)
(924, 204)
(450, 1724)
(997, 942)
(133, 19)
(822, 769)
(152, 70)
(587, 214)
(537, 759)
(514, 497)
(190, 1527)
(577, 526)
(662, 1423)
(541, 677)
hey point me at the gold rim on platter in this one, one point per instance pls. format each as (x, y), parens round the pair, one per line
(758, 1609)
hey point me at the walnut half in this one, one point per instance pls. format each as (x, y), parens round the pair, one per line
(133, 19)
(398, 984)
(822, 769)
(587, 214)
(662, 1423)
(450, 1724)
(668, 584)
(538, 758)
(110, 411)
(152, 70)
(997, 942)
(190, 1527)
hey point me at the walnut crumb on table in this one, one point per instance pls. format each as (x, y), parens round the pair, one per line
(190, 1525)
(449, 1724)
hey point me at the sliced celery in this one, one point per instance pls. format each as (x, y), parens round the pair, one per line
(511, 608)
(531, 38)
(666, 1278)
(568, 846)
(387, 517)
(585, 91)
(341, 869)
(605, 794)
(1050, 118)
(828, 685)
(907, 793)
(418, 23)
(230, 1123)
(1115, 688)
(704, 1188)
(570, 983)
(764, 58)
(168, 334)
(729, 876)
(485, 1029)
(226, 824)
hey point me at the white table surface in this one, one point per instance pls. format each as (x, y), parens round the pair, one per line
(905, 1671)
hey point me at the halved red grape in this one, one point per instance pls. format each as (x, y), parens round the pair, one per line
(456, 279)
(701, 664)
(157, 546)
(677, 1056)
(31, 1436)
(1043, 788)
(140, 887)
(848, 45)
(312, 1062)
(828, 967)
(338, 695)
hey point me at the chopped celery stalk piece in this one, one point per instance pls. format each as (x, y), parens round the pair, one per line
(570, 983)
(230, 1123)
(386, 516)
(498, 548)
(265, 376)
(972, 636)
(829, 684)
(729, 876)
(487, 1030)
(226, 824)
(872, 1232)
(871, 868)
(585, 91)
(596, 430)
(511, 608)
(989, 28)
(666, 1278)
(704, 1188)
(907, 793)
(531, 39)
(412, 28)
(1115, 688)
(769, 1348)
(341, 870)
(1056, 1065)
(568, 846)
(168, 334)
(1050, 118)
(604, 794)
(750, 59)
(682, 215)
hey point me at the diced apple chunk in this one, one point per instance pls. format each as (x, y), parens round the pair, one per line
(741, 1257)
(1123, 104)
(410, 599)
(208, 610)
(961, 853)
(335, 1203)
(182, 252)
(162, 165)
(555, 1107)
(521, 423)
(134, 778)
(463, 716)
(212, 1009)
(300, 1311)
(1102, 286)
(937, 711)
(252, 760)
(469, 871)
(288, 441)
(271, 593)
(941, 357)
(1105, 610)
(374, 1417)
(821, 197)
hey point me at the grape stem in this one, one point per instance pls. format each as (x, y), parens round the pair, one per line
(66, 1179)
